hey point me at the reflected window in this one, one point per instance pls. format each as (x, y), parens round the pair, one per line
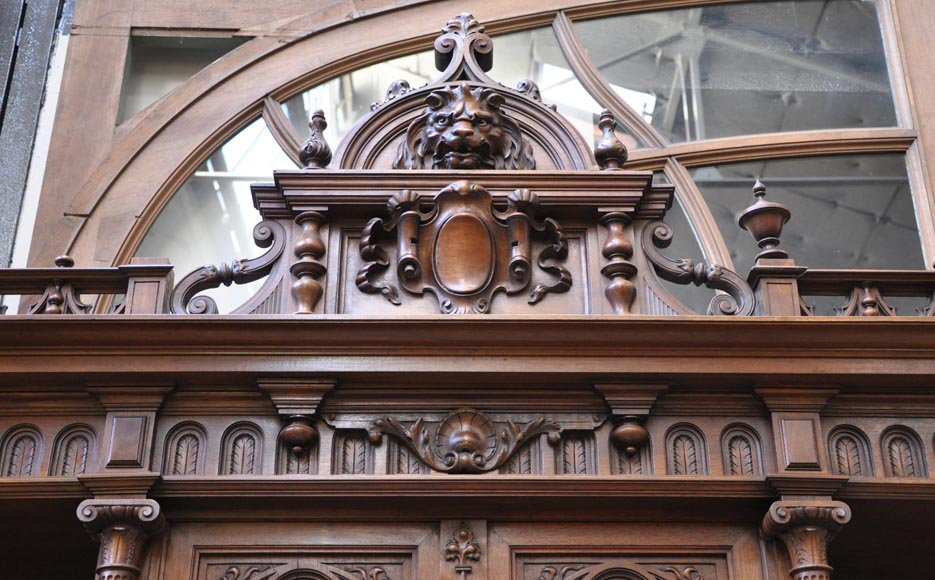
(158, 64)
(747, 68)
(211, 217)
(848, 211)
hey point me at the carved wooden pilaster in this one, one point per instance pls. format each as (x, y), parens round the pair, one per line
(806, 528)
(123, 528)
(618, 250)
(309, 249)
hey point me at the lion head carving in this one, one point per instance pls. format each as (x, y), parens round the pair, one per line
(464, 128)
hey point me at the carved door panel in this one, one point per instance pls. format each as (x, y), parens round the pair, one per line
(631, 551)
(323, 550)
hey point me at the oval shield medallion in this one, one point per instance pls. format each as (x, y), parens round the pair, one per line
(463, 255)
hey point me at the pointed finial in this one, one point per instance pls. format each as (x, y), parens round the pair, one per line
(764, 220)
(759, 190)
(315, 153)
(610, 153)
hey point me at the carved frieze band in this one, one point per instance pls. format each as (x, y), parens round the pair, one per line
(463, 250)
(466, 441)
(629, 571)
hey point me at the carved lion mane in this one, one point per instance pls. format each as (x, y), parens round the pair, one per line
(464, 128)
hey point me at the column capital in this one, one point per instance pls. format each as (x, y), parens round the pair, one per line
(806, 527)
(123, 528)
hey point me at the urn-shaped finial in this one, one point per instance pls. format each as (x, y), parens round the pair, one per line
(610, 153)
(315, 153)
(764, 220)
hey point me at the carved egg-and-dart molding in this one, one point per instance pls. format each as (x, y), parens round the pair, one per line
(463, 250)
(466, 441)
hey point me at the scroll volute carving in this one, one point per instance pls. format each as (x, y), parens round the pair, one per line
(462, 250)
(806, 528)
(466, 441)
(123, 527)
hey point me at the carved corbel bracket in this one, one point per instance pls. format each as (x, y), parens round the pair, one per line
(466, 441)
(123, 528)
(297, 402)
(463, 251)
(266, 234)
(739, 300)
(629, 406)
(806, 528)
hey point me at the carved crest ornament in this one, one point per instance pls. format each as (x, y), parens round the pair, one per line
(469, 190)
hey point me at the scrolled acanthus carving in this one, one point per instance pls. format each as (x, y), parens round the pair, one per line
(266, 234)
(739, 300)
(463, 250)
(628, 571)
(806, 529)
(466, 441)
(464, 127)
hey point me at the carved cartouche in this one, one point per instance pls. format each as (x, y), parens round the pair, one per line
(463, 127)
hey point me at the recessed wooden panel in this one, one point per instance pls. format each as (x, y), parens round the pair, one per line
(128, 435)
(800, 444)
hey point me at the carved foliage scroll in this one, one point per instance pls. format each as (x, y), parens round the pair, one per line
(463, 250)
(685, 451)
(740, 448)
(185, 450)
(738, 300)
(22, 452)
(850, 452)
(73, 451)
(242, 450)
(902, 453)
(466, 441)
(628, 571)
(266, 234)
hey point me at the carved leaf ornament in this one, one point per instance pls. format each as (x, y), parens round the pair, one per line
(465, 441)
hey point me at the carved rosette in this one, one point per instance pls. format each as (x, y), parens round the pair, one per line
(462, 250)
(465, 441)
(806, 530)
(122, 527)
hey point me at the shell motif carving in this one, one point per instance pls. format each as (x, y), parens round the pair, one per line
(466, 441)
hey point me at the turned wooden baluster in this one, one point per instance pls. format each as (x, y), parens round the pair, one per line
(618, 250)
(309, 249)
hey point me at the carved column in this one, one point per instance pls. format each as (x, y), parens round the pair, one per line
(123, 528)
(618, 250)
(309, 249)
(806, 528)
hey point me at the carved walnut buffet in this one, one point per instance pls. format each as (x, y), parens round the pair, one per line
(465, 363)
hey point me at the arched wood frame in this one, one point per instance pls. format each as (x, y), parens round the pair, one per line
(69, 456)
(241, 450)
(186, 449)
(903, 453)
(741, 450)
(18, 460)
(156, 150)
(686, 451)
(849, 452)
